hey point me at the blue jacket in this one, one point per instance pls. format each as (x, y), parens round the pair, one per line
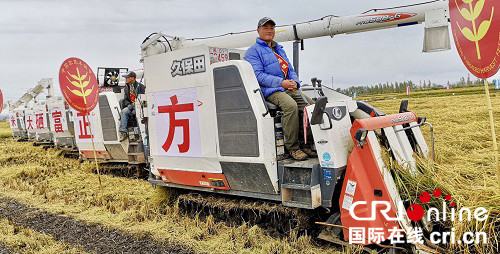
(267, 68)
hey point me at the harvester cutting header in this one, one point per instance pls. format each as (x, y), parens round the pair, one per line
(207, 123)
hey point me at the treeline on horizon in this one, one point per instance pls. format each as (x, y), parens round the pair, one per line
(400, 87)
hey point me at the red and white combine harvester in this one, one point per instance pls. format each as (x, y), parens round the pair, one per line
(209, 128)
(104, 121)
(29, 116)
(61, 124)
(32, 112)
(40, 112)
(47, 122)
(16, 120)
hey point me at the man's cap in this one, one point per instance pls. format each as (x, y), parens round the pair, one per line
(130, 74)
(265, 20)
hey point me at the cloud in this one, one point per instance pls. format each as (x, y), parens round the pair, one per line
(40, 35)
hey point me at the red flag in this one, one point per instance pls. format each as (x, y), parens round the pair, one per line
(1, 101)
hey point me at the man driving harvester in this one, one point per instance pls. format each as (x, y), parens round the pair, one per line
(279, 84)
(132, 90)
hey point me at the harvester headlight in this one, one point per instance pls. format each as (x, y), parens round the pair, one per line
(422, 119)
(360, 136)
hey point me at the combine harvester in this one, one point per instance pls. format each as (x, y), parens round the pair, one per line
(105, 119)
(61, 125)
(209, 128)
(40, 111)
(56, 129)
(16, 120)
(204, 125)
(29, 115)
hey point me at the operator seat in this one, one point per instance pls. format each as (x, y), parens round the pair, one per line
(273, 109)
(271, 106)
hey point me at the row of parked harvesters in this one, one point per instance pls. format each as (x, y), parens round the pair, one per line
(204, 125)
(50, 121)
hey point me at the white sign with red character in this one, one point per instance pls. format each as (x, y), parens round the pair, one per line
(40, 120)
(13, 120)
(177, 123)
(30, 121)
(58, 120)
(82, 127)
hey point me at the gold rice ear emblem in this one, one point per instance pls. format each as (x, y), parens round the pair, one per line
(472, 14)
(80, 82)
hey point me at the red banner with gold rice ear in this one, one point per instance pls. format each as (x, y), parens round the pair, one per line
(476, 30)
(78, 85)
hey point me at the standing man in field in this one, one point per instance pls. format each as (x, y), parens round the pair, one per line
(132, 90)
(279, 83)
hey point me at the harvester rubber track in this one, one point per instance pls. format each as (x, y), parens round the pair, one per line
(43, 143)
(71, 154)
(46, 147)
(276, 219)
(115, 169)
(122, 170)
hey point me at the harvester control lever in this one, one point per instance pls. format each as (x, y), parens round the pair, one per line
(119, 115)
(319, 111)
(313, 81)
(263, 100)
(329, 121)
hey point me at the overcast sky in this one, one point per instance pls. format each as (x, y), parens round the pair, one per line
(37, 36)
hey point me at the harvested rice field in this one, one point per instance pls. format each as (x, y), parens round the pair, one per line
(59, 200)
(52, 204)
